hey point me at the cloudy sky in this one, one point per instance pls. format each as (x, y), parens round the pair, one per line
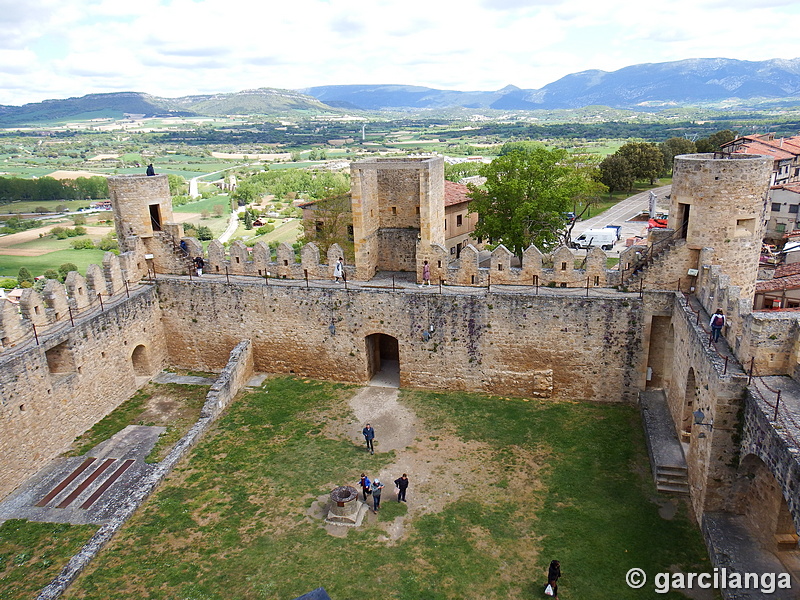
(63, 48)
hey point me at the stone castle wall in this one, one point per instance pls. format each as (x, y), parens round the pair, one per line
(52, 392)
(519, 344)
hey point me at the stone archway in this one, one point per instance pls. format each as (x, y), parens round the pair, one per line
(140, 358)
(383, 360)
(759, 498)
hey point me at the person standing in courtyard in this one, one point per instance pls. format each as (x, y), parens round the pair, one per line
(426, 274)
(366, 486)
(338, 271)
(369, 436)
(402, 486)
(553, 574)
(199, 263)
(377, 487)
(717, 323)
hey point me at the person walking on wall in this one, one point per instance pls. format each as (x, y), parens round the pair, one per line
(377, 487)
(369, 436)
(366, 486)
(199, 263)
(717, 323)
(553, 573)
(150, 170)
(402, 485)
(426, 274)
(338, 270)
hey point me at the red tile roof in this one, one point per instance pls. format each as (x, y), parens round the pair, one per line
(786, 270)
(791, 282)
(455, 193)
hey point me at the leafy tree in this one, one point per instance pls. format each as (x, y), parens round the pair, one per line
(246, 193)
(79, 219)
(645, 159)
(204, 233)
(713, 142)
(218, 209)
(616, 173)
(458, 171)
(23, 275)
(177, 185)
(526, 194)
(65, 268)
(248, 220)
(52, 274)
(8, 283)
(331, 224)
(673, 147)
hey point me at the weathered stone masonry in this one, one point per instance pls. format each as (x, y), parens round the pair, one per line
(53, 392)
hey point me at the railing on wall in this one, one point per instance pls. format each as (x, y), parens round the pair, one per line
(650, 252)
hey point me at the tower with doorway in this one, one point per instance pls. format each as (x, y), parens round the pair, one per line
(719, 202)
(142, 208)
(395, 202)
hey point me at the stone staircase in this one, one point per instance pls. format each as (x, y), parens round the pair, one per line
(180, 257)
(667, 461)
(672, 479)
(655, 262)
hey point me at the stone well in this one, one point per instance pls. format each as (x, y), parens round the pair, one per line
(345, 509)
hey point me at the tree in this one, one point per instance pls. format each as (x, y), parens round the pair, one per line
(65, 269)
(246, 193)
(177, 185)
(673, 147)
(332, 223)
(645, 159)
(204, 233)
(713, 142)
(23, 275)
(527, 193)
(616, 173)
(248, 220)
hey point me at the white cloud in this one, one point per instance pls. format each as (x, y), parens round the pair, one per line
(60, 48)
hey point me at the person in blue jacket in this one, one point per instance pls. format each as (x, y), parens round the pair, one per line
(366, 486)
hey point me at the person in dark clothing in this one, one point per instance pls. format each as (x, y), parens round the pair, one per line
(402, 486)
(369, 436)
(150, 170)
(553, 573)
(184, 247)
(366, 486)
(199, 263)
(377, 488)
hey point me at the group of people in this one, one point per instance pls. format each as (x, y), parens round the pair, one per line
(374, 488)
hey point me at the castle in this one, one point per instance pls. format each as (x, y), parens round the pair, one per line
(635, 333)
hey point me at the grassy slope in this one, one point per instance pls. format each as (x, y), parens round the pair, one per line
(37, 265)
(230, 523)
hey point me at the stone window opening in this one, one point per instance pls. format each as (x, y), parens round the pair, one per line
(60, 359)
(745, 227)
(237, 260)
(597, 279)
(472, 279)
(563, 266)
(36, 310)
(285, 263)
(563, 284)
(499, 267)
(394, 211)
(439, 263)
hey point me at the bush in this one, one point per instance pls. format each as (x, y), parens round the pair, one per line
(265, 229)
(84, 244)
(8, 283)
(65, 268)
(51, 274)
(204, 233)
(24, 275)
(108, 243)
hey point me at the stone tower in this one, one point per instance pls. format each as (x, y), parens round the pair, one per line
(143, 208)
(395, 202)
(719, 201)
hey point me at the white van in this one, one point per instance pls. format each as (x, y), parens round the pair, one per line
(591, 238)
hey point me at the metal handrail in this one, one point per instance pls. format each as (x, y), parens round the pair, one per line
(651, 251)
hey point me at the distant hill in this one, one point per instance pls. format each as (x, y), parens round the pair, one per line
(639, 87)
(652, 85)
(264, 101)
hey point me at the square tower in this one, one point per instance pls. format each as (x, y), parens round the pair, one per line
(395, 202)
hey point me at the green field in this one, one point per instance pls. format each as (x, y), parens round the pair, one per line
(37, 265)
(538, 480)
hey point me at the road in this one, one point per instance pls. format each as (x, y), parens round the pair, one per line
(621, 213)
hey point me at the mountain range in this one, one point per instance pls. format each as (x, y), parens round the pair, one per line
(650, 86)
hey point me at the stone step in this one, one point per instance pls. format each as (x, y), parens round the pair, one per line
(672, 470)
(673, 488)
(676, 479)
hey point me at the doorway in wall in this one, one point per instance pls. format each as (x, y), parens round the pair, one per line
(383, 360)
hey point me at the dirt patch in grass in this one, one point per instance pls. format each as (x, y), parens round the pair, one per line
(176, 407)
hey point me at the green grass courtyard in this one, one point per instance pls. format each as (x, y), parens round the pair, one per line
(513, 483)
